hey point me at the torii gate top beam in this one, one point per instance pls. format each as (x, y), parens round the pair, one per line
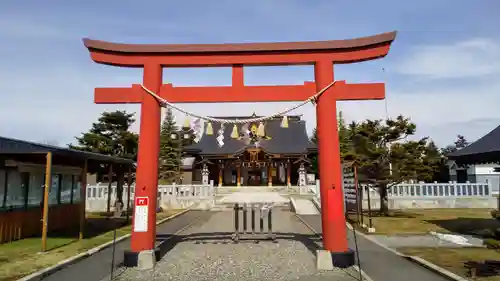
(200, 55)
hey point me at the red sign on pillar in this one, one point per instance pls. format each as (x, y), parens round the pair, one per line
(141, 214)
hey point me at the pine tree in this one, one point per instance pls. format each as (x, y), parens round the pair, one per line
(170, 149)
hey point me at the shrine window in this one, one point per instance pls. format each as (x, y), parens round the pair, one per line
(3, 185)
(36, 188)
(54, 193)
(66, 188)
(16, 191)
(77, 187)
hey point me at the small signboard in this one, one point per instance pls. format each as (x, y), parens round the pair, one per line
(351, 195)
(141, 214)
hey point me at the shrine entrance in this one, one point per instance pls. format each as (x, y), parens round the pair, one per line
(324, 92)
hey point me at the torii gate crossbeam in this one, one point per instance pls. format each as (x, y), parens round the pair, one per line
(323, 55)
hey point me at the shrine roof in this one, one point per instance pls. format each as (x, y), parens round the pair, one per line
(308, 46)
(292, 140)
(484, 150)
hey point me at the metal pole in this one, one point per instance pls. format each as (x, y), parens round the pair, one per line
(369, 207)
(261, 219)
(245, 218)
(48, 184)
(236, 221)
(270, 221)
(110, 178)
(253, 219)
(358, 201)
(83, 199)
(129, 183)
(113, 254)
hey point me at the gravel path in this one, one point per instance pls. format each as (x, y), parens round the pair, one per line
(207, 253)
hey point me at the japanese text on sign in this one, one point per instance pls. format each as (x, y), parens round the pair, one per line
(141, 214)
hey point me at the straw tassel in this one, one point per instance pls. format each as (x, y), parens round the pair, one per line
(261, 130)
(235, 134)
(210, 130)
(284, 122)
(187, 122)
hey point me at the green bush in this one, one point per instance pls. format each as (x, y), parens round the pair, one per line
(492, 243)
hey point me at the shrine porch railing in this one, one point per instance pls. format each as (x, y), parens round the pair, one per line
(431, 195)
(169, 196)
(177, 196)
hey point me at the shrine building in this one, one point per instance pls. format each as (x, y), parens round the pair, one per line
(273, 152)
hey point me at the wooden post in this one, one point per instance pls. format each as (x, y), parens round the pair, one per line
(288, 172)
(83, 198)
(110, 179)
(270, 174)
(220, 174)
(238, 174)
(48, 184)
(129, 183)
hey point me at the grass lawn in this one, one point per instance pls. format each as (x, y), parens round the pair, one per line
(22, 257)
(417, 221)
(453, 259)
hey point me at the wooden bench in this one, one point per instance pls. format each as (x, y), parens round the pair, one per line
(483, 269)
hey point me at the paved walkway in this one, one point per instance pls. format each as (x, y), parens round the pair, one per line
(305, 207)
(98, 266)
(205, 252)
(379, 263)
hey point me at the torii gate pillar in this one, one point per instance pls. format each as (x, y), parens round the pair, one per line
(323, 55)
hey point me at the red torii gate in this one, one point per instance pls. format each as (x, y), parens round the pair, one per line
(322, 55)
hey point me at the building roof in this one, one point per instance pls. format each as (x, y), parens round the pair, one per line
(291, 140)
(330, 45)
(484, 150)
(15, 146)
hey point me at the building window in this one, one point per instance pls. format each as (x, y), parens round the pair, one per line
(35, 191)
(2, 187)
(77, 186)
(16, 193)
(66, 188)
(54, 190)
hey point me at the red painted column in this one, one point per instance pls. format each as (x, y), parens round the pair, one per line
(332, 198)
(147, 158)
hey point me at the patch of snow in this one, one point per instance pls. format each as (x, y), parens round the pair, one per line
(456, 239)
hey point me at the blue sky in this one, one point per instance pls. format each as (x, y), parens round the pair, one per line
(441, 71)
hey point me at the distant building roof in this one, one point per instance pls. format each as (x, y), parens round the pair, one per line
(291, 140)
(15, 146)
(484, 150)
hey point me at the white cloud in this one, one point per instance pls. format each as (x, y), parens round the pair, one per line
(470, 58)
(55, 102)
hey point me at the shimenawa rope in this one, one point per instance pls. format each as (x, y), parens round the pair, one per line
(165, 103)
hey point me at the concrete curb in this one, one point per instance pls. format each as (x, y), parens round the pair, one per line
(41, 274)
(363, 274)
(439, 270)
(293, 205)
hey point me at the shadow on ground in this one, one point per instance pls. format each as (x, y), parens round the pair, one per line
(487, 268)
(168, 242)
(480, 227)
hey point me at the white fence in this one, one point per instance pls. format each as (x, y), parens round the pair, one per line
(431, 195)
(169, 196)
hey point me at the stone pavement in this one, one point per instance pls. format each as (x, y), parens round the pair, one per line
(206, 252)
(98, 266)
(379, 263)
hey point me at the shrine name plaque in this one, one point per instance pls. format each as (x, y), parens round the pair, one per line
(351, 195)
